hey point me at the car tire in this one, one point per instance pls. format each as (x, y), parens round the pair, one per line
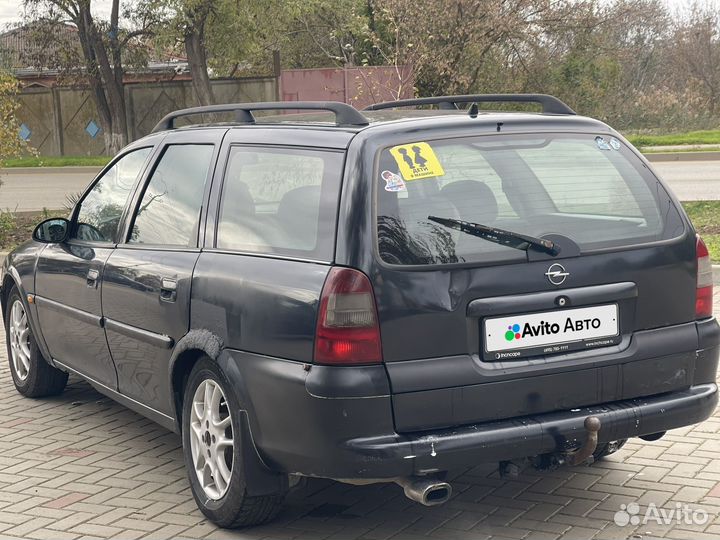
(604, 450)
(221, 495)
(32, 375)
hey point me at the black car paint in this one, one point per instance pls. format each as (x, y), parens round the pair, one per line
(255, 315)
(69, 307)
(143, 322)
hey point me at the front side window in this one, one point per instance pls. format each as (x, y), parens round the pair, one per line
(169, 211)
(280, 201)
(100, 211)
(590, 189)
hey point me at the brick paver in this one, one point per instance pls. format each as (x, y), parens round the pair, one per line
(81, 466)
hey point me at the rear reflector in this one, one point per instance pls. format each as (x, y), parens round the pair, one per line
(704, 291)
(347, 330)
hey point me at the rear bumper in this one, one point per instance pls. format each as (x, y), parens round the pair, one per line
(338, 422)
(495, 441)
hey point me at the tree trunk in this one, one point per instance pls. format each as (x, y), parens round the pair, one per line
(197, 59)
(105, 80)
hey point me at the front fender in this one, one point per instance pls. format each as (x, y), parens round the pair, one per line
(19, 270)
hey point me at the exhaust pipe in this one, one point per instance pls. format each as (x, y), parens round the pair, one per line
(425, 490)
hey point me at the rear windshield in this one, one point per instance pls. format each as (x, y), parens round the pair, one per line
(590, 189)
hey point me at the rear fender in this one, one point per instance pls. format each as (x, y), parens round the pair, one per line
(259, 478)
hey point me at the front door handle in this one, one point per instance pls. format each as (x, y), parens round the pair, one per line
(92, 277)
(168, 290)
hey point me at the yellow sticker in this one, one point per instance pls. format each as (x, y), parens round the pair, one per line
(417, 160)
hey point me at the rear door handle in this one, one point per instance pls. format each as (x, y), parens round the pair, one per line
(92, 277)
(168, 290)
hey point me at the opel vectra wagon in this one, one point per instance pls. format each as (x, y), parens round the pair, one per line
(376, 296)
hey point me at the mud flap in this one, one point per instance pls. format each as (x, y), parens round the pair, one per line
(259, 479)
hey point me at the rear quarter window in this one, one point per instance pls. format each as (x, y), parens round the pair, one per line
(280, 201)
(590, 189)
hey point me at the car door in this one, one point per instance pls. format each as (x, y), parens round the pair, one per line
(146, 288)
(68, 278)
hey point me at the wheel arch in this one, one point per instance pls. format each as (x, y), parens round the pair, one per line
(10, 279)
(199, 343)
(194, 345)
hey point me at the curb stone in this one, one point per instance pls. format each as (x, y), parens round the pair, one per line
(682, 156)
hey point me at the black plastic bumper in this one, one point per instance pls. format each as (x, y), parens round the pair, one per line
(494, 441)
(337, 422)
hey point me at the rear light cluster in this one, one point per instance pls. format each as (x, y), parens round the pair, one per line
(347, 329)
(704, 291)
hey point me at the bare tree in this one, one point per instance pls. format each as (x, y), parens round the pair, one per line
(696, 52)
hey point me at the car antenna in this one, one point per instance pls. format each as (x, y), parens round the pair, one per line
(473, 111)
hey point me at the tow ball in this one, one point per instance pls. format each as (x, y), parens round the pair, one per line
(582, 455)
(592, 426)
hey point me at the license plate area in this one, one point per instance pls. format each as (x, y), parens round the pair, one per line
(512, 337)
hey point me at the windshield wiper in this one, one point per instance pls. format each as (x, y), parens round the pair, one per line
(498, 236)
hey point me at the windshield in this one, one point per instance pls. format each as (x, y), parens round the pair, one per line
(589, 189)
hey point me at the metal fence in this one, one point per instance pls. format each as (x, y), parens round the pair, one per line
(358, 86)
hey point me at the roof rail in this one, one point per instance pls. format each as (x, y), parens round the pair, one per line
(345, 115)
(550, 104)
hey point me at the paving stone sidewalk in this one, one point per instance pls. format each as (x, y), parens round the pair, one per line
(81, 466)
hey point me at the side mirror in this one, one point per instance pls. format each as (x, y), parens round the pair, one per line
(52, 231)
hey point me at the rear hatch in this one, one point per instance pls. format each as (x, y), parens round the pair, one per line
(475, 330)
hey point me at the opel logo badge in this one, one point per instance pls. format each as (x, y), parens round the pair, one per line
(556, 274)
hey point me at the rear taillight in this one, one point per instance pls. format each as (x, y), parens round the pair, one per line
(347, 328)
(704, 291)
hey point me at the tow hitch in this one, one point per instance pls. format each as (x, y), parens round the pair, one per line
(582, 455)
(592, 426)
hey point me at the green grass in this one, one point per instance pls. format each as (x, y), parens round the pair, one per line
(687, 150)
(692, 137)
(712, 241)
(705, 215)
(57, 161)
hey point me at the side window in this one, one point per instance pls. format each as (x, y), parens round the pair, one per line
(169, 211)
(280, 201)
(100, 211)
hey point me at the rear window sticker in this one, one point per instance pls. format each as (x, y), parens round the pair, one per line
(393, 182)
(602, 143)
(416, 161)
(615, 143)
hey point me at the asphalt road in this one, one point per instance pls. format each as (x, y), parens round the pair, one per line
(38, 188)
(690, 180)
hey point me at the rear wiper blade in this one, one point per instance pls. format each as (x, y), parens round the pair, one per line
(499, 236)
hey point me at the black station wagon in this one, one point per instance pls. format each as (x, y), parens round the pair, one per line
(376, 296)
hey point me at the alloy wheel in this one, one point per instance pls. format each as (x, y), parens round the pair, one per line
(19, 340)
(211, 439)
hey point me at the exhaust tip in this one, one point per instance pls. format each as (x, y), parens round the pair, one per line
(437, 494)
(426, 491)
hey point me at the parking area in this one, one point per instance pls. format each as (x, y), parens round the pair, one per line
(81, 466)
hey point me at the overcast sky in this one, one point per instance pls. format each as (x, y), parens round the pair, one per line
(11, 10)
